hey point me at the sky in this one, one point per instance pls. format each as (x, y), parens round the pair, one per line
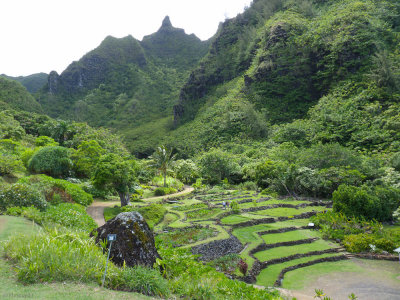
(45, 35)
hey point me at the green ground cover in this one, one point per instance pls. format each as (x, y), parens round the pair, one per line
(285, 251)
(289, 236)
(287, 212)
(268, 276)
(188, 235)
(272, 202)
(10, 288)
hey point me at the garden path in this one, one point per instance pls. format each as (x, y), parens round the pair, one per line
(96, 209)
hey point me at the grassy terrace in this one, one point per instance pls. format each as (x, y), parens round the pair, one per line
(284, 251)
(194, 210)
(289, 236)
(269, 275)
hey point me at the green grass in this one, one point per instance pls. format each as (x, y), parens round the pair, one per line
(268, 276)
(272, 202)
(188, 236)
(298, 279)
(287, 212)
(11, 289)
(284, 251)
(289, 236)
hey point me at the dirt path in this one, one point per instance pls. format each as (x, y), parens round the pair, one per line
(96, 210)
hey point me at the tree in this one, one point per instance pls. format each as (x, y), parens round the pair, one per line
(162, 160)
(217, 164)
(87, 156)
(114, 173)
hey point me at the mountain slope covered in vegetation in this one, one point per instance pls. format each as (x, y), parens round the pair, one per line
(32, 83)
(125, 82)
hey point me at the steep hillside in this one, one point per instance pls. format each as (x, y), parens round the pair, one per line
(32, 83)
(333, 64)
(124, 82)
(14, 96)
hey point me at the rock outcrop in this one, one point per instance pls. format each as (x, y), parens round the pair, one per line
(135, 240)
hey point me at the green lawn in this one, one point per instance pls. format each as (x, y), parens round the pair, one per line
(284, 251)
(289, 236)
(299, 278)
(269, 275)
(234, 219)
(287, 212)
(272, 202)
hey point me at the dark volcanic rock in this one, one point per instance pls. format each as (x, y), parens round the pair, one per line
(218, 248)
(135, 240)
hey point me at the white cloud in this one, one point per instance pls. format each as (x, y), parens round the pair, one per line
(45, 35)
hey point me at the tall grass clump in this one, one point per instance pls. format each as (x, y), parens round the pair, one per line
(56, 254)
(60, 254)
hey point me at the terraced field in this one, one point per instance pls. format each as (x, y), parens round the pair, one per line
(271, 235)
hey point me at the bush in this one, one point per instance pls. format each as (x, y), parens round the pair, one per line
(51, 160)
(248, 186)
(186, 171)
(171, 182)
(56, 255)
(21, 195)
(31, 213)
(141, 280)
(370, 202)
(217, 164)
(50, 187)
(70, 215)
(9, 164)
(161, 191)
(364, 242)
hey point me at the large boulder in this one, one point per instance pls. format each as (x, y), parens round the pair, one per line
(135, 240)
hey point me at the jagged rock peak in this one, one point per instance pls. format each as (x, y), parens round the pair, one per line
(166, 23)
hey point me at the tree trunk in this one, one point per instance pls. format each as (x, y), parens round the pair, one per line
(125, 198)
(165, 179)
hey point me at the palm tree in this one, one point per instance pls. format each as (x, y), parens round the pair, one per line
(162, 160)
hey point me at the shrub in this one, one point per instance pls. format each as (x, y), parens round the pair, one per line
(243, 267)
(31, 213)
(370, 202)
(51, 160)
(248, 186)
(171, 182)
(70, 215)
(56, 255)
(141, 280)
(217, 164)
(43, 141)
(9, 164)
(161, 191)
(69, 192)
(366, 242)
(21, 195)
(186, 171)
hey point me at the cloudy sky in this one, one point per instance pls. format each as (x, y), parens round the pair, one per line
(44, 35)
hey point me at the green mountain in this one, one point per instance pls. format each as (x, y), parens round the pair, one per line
(14, 96)
(298, 71)
(125, 83)
(305, 71)
(32, 83)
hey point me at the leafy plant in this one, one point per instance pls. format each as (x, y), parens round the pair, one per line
(51, 160)
(19, 194)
